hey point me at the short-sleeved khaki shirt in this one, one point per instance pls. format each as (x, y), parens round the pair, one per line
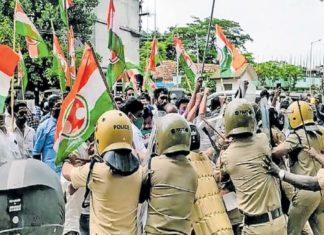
(257, 192)
(301, 162)
(114, 199)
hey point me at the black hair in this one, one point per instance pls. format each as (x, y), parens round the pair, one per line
(146, 96)
(52, 100)
(29, 95)
(132, 105)
(264, 93)
(129, 88)
(214, 103)
(158, 91)
(182, 100)
(118, 98)
(147, 113)
(19, 104)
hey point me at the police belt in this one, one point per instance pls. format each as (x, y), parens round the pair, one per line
(263, 218)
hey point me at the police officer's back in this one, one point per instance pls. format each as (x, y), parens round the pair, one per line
(173, 179)
(257, 193)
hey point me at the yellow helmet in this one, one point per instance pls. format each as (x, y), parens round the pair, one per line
(295, 115)
(113, 131)
(172, 134)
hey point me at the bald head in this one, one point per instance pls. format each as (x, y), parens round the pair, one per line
(170, 108)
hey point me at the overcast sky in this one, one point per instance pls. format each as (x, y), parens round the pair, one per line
(281, 29)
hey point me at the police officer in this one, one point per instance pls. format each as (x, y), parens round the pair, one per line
(215, 219)
(173, 181)
(114, 181)
(258, 194)
(31, 199)
(305, 134)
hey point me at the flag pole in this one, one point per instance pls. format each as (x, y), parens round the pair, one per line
(21, 82)
(208, 34)
(178, 71)
(103, 77)
(12, 96)
(53, 32)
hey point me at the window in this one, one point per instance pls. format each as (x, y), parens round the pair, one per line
(228, 87)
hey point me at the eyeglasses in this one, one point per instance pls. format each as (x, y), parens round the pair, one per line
(163, 97)
(130, 94)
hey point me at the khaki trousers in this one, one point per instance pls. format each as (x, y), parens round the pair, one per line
(303, 205)
(277, 226)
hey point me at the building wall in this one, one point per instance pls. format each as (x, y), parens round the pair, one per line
(127, 15)
(233, 82)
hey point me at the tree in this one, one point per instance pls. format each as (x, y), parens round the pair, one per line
(276, 70)
(41, 12)
(193, 36)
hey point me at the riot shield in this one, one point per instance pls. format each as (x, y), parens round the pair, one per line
(265, 117)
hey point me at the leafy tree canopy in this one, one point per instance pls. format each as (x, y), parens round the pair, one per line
(193, 36)
(41, 12)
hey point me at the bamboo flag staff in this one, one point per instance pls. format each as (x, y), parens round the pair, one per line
(12, 96)
(207, 40)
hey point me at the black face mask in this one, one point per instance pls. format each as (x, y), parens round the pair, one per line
(21, 120)
(56, 113)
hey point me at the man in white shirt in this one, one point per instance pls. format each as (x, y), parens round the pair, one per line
(23, 134)
(133, 108)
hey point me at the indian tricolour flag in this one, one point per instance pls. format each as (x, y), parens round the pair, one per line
(189, 68)
(116, 65)
(8, 63)
(22, 73)
(71, 54)
(80, 110)
(60, 64)
(36, 46)
(132, 71)
(148, 83)
(229, 57)
(64, 5)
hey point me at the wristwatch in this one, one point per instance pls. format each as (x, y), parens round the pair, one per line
(281, 174)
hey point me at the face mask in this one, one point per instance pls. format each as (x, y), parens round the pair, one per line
(21, 120)
(56, 113)
(146, 132)
(139, 122)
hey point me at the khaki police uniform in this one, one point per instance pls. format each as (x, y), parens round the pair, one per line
(209, 214)
(173, 187)
(113, 201)
(304, 203)
(258, 193)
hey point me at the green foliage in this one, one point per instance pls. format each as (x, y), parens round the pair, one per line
(275, 70)
(194, 34)
(41, 12)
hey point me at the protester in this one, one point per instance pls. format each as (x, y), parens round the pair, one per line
(146, 100)
(160, 98)
(44, 142)
(182, 105)
(74, 199)
(147, 125)
(23, 133)
(119, 102)
(34, 114)
(129, 92)
(133, 108)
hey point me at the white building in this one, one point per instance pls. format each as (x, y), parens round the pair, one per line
(127, 14)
